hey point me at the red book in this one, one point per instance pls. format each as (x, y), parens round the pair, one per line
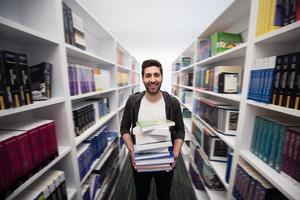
(52, 139)
(46, 142)
(13, 159)
(36, 147)
(5, 174)
(25, 152)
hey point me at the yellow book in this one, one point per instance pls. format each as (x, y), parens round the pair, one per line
(259, 18)
(266, 16)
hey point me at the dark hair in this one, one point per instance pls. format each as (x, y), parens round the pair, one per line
(150, 63)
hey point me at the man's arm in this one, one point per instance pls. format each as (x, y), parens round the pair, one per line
(176, 150)
(128, 141)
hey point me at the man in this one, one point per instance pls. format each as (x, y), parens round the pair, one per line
(150, 105)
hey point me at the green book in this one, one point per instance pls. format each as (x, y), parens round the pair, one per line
(274, 144)
(255, 133)
(155, 124)
(222, 41)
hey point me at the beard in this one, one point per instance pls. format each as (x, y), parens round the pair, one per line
(153, 89)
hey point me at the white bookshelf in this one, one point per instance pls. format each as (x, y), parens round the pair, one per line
(36, 29)
(241, 17)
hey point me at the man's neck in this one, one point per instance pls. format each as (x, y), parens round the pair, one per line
(153, 97)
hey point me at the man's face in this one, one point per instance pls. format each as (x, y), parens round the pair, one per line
(152, 79)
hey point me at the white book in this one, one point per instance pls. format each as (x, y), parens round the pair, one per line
(143, 147)
(157, 150)
(141, 156)
(143, 138)
(155, 124)
(154, 161)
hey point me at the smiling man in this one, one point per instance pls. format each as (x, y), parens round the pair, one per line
(150, 105)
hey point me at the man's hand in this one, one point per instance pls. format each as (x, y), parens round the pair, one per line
(176, 154)
(131, 154)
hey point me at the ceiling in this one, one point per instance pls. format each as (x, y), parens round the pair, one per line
(159, 29)
(156, 29)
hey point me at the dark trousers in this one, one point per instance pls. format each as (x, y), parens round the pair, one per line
(163, 182)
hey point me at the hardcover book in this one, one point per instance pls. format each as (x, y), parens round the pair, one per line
(41, 76)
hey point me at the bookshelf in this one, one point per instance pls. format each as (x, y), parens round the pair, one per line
(241, 17)
(36, 28)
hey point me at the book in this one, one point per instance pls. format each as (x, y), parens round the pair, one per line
(152, 161)
(155, 124)
(143, 147)
(8, 60)
(153, 167)
(222, 41)
(228, 83)
(144, 138)
(41, 75)
(142, 156)
(25, 81)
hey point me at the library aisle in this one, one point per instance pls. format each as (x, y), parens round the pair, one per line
(65, 79)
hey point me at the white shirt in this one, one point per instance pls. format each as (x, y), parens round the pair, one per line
(152, 111)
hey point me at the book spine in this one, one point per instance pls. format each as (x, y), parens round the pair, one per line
(4, 100)
(292, 12)
(66, 23)
(298, 10)
(25, 82)
(11, 73)
(286, 12)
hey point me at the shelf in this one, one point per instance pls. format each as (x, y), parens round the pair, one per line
(90, 94)
(100, 161)
(182, 69)
(123, 68)
(71, 193)
(63, 151)
(232, 97)
(229, 140)
(283, 184)
(183, 86)
(93, 128)
(198, 193)
(188, 124)
(124, 87)
(289, 111)
(122, 107)
(214, 195)
(220, 169)
(236, 52)
(86, 56)
(286, 34)
(35, 105)
(17, 33)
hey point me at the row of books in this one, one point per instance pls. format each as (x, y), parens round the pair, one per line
(221, 79)
(73, 28)
(196, 178)
(91, 149)
(186, 96)
(25, 147)
(274, 80)
(187, 79)
(83, 117)
(122, 79)
(221, 116)
(51, 185)
(203, 49)
(207, 172)
(214, 147)
(276, 142)
(273, 14)
(153, 146)
(108, 172)
(21, 84)
(89, 189)
(249, 184)
(85, 79)
(185, 61)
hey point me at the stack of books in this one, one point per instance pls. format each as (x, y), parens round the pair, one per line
(153, 148)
